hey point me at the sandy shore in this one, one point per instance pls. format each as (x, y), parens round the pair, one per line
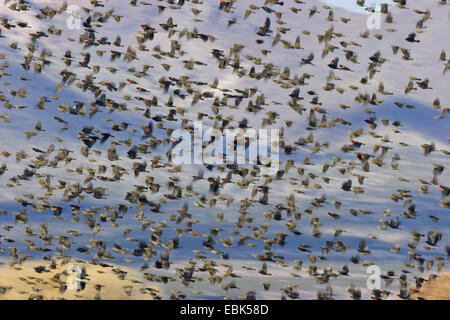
(22, 282)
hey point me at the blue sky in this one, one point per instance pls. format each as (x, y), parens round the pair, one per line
(351, 5)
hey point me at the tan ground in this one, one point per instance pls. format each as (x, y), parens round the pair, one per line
(23, 282)
(438, 289)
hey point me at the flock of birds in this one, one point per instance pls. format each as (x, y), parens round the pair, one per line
(122, 145)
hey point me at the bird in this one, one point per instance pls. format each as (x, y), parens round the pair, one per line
(412, 37)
